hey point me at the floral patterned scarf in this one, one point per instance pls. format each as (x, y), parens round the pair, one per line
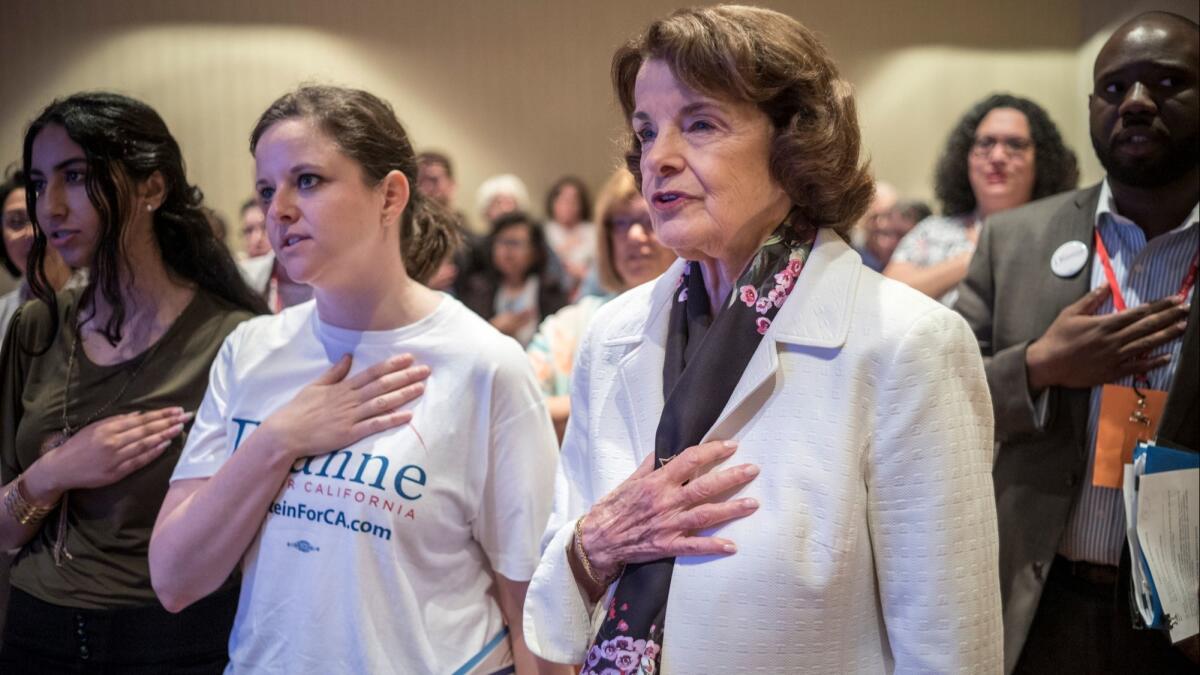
(707, 355)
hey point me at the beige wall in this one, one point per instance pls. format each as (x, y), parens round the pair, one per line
(523, 86)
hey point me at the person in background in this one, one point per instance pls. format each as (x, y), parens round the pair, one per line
(517, 292)
(908, 213)
(499, 195)
(883, 200)
(866, 237)
(1004, 152)
(435, 180)
(16, 232)
(429, 529)
(1076, 298)
(886, 222)
(10, 274)
(254, 230)
(760, 473)
(261, 269)
(96, 385)
(570, 230)
(627, 255)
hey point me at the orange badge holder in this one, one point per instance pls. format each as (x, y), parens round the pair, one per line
(1125, 418)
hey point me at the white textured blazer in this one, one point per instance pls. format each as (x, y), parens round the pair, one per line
(874, 549)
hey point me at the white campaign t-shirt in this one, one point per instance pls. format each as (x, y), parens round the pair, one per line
(376, 558)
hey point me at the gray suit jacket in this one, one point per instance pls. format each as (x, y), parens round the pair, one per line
(1010, 297)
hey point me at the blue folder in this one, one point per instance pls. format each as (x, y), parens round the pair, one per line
(1159, 459)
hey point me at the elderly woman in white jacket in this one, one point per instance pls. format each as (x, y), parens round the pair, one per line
(777, 460)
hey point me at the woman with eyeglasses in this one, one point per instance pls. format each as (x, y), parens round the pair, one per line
(628, 254)
(1005, 152)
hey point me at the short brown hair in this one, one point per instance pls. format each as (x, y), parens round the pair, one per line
(766, 58)
(365, 128)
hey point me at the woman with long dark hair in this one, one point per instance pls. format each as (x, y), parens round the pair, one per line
(96, 385)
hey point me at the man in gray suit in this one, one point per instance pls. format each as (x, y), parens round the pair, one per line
(1053, 332)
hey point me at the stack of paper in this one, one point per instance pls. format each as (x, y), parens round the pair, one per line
(1162, 514)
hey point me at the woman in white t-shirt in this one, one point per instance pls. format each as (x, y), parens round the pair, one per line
(372, 510)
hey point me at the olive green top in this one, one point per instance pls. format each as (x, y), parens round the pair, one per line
(108, 528)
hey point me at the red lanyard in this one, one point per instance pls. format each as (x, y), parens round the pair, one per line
(1139, 381)
(1189, 279)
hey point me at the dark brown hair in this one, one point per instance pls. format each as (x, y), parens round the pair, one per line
(585, 198)
(766, 58)
(124, 142)
(1054, 166)
(537, 240)
(365, 128)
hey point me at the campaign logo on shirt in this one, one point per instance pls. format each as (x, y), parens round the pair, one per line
(385, 485)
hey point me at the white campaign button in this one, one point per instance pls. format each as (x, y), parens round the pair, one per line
(1069, 259)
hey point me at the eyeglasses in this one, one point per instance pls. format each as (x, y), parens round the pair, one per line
(1012, 146)
(512, 244)
(621, 224)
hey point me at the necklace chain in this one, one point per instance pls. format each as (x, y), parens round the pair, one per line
(60, 551)
(67, 430)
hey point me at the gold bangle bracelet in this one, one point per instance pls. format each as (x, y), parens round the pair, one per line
(587, 563)
(20, 509)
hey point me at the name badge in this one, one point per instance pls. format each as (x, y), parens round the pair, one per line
(1125, 419)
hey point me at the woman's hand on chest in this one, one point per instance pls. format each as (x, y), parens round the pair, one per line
(336, 411)
(103, 452)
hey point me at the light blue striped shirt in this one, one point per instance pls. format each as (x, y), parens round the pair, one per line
(1145, 272)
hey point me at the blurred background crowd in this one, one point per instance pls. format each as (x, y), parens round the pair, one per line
(967, 109)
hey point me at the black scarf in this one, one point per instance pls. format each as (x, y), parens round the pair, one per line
(706, 355)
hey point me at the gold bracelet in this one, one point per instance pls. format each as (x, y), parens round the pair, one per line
(20, 509)
(587, 564)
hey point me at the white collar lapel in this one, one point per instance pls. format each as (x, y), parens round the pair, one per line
(816, 314)
(639, 396)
